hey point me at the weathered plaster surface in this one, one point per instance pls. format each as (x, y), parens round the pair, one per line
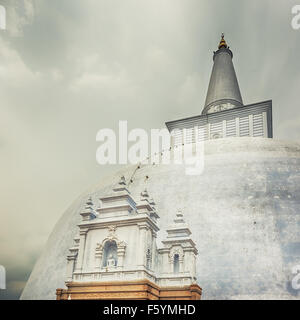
(243, 211)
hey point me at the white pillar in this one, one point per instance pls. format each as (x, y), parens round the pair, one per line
(265, 125)
(70, 268)
(121, 255)
(153, 251)
(98, 259)
(237, 127)
(142, 246)
(224, 128)
(81, 250)
(171, 264)
(251, 125)
(181, 264)
(208, 131)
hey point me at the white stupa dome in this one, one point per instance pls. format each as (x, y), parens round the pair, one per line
(243, 211)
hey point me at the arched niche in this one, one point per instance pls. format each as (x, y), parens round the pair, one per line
(176, 259)
(176, 263)
(110, 254)
(109, 250)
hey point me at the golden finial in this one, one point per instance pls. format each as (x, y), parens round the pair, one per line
(223, 43)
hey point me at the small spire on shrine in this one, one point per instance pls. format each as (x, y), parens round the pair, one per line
(144, 194)
(122, 181)
(121, 185)
(179, 217)
(88, 212)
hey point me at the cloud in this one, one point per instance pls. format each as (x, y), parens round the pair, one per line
(70, 68)
(20, 13)
(188, 93)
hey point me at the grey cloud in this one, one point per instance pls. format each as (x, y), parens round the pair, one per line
(70, 68)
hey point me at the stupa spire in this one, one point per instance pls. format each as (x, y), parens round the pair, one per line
(223, 91)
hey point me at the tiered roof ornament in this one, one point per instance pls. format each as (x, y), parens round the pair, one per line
(147, 205)
(179, 228)
(88, 212)
(121, 186)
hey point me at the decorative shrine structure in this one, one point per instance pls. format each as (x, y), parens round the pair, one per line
(115, 255)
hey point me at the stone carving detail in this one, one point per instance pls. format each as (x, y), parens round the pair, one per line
(116, 246)
(220, 107)
(216, 136)
(112, 230)
(148, 258)
(111, 262)
(174, 251)
(121, 248)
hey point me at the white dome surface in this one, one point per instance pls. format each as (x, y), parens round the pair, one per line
(243, 211)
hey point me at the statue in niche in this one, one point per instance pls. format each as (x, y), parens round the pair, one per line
(111, 262)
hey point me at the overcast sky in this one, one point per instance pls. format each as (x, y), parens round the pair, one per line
(71, 67)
